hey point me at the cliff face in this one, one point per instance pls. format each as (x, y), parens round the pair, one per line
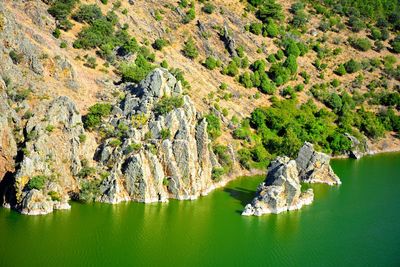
(172, 156)
(51, 158)
(281, 190)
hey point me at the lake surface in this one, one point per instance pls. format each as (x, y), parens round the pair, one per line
(355, 224)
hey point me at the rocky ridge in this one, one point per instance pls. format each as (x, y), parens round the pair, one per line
(172, 156)
(281, 190)
(162, 151)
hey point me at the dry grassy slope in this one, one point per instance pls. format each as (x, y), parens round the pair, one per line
(144, 26)
(86, 78)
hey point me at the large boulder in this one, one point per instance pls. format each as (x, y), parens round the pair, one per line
(314, 166)
(281, 190)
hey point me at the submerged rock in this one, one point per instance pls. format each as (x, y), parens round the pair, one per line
(281, 190)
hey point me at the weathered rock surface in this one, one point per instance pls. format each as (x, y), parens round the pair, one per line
(52, 150)
(358, 148)
(172, 158)
(8, 146)
(314, 166)
(281, 190)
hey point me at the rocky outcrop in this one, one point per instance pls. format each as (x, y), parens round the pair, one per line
(281, 190)
(314, 166)
(229, 42)
(359, 148)
(166, 154)
(52, 157)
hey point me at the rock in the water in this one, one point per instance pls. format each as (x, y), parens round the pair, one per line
(281, 190)
(314, 166)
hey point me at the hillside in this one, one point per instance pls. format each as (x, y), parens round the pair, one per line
(262, 76)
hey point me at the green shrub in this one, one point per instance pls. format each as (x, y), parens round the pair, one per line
(208, 8)
(216, 174)
(189, 16)
(231, 70)
(88, 13)
(245, 80)
(395, 43)
(57, 33)
(135, 72)
(95, 115)
(160, 43)
(362, 44)
(91, 62)
(213, 126)
(115, 142)
(90, 189)
(55, 196)
(341, 70)
(256, 28)
(272, 29)
(352, 66)
(100, 32)
(63, 44)
(50, 128)
(60, 10)
(37, 182)
(16, 57)
(167, 104)
(211, 63)
(86, 171)
(190, 49)
(165, 134)
(82, 138)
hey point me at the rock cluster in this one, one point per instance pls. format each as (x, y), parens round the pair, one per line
(281, 190)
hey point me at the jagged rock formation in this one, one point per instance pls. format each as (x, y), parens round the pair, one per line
(158, 148)
(314, 166)
(52, 152)
(281, 190)
(172, 156)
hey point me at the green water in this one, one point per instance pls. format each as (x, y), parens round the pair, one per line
(356, 224)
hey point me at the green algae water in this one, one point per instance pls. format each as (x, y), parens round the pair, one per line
(355, 224)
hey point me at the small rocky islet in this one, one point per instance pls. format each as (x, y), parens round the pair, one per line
(281, 190)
